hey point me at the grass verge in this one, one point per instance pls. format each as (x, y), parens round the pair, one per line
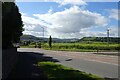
(30, 46)
(74, 50)
(59, 72)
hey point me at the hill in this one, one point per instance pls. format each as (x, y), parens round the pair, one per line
(28, 37)
(101, 39)
(41, 39)
(57, 40)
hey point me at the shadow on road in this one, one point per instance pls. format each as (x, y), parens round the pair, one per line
(26, 69)
(68, 60)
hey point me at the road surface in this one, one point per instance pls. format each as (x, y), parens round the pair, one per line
(100, 65)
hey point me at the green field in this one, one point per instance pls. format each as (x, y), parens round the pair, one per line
(80, 47)
(83, 46)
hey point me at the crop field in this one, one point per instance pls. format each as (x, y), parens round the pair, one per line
(83, 46)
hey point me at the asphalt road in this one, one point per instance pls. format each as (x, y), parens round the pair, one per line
(100, 65)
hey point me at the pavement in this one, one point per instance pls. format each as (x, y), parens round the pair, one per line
(101, 65)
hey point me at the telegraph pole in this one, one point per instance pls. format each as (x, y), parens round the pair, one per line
(108, 33)
(43, 34)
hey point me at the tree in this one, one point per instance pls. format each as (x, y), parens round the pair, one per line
(50, 42)
(12, 25)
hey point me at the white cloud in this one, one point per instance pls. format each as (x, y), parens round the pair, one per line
(89, 33)
(70, 23)
(38, 34)
(82, 33)
(114, 31)
(72, 2)
(32, 25)
(72, 20)
(114, 14)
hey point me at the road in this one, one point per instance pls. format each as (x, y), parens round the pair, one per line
(100, 65)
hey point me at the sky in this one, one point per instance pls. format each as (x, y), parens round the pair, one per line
(69, 19)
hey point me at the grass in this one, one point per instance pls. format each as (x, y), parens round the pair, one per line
(29, 46)
(59, 72)
(83, 47)
(80, 47)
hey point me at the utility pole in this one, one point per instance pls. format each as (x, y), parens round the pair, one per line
(108, 33)
(43, 34)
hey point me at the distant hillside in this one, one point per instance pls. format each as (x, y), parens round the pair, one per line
(29, 37)
(35, 39)
(100, 39)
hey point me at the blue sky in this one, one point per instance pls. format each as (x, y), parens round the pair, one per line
(43, 7)
(69, 20)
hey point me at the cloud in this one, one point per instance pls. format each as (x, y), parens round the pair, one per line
(72, 20)
(114, 31)
(72, 2)
(89, 33)
(82, 33)
(69, 23)
(38, 34)
(114, 14)
(32, 25)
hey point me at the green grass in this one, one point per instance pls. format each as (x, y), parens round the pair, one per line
(59, 72)
(80, 47)
(83, 47)
(29, 46)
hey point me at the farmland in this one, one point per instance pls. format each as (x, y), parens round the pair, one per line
(82, 46)
(85, 44)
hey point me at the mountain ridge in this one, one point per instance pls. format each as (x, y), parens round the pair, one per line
(97, 39)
